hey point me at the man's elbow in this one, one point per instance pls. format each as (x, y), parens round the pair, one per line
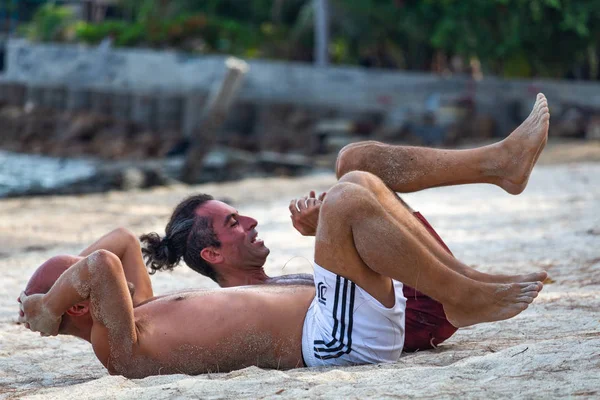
(105, 260)
(124, 234)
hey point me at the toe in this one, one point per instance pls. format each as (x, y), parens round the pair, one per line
(525, 299)
(542, 276)
(530, 287)
(532, 294)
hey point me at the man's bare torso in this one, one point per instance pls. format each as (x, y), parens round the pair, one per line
(219, 330)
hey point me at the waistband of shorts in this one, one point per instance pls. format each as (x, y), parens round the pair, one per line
(400, 300)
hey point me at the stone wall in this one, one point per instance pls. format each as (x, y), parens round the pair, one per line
(344, 87)
(166, 88)
(269, 81)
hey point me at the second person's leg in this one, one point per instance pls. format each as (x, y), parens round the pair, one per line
(358, 238)
(397, 209)
(507, 163)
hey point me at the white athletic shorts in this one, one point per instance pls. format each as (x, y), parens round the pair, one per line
(345, 325)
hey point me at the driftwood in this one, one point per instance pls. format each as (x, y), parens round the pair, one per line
(215, 113)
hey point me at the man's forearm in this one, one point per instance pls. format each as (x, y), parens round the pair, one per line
(72, 287)
(99, 278)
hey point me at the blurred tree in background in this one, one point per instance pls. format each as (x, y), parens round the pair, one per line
(50, 23)
(513, 38)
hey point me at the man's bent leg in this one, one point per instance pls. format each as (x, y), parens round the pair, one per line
(397, 209)
(358, 238)
(408, 169)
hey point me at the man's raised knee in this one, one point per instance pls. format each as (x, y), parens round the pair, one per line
(346, 199)
(362, 178)
(352, 157)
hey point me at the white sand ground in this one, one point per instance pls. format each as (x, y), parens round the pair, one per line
(550, 350)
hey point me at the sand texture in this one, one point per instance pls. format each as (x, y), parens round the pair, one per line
(551, 350)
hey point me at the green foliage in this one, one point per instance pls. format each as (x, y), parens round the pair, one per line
(132, 35)
(50, 23)
(95, 33)
(509, 37)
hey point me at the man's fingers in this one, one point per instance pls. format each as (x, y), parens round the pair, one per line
(322, 196)
(21, 318)
(293, 207)
(312, 194)
(311, 202)
(302, 203)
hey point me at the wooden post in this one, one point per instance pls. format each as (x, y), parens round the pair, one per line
(213, 117)
(191, 118)
(321, 27)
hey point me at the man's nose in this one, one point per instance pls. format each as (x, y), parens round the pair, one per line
(249, 223)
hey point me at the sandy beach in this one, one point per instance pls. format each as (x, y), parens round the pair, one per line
(550, 350)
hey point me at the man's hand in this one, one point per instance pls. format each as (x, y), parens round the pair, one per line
(36, 316)
(305, 213)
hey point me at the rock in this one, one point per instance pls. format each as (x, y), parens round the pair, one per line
(131, 178)
(283, 164)
(224, 163)
(484, 127)
(592, 130)
(570, 124)
(329, 134)
(84, 127)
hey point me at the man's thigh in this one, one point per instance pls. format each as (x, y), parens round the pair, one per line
(334, 245)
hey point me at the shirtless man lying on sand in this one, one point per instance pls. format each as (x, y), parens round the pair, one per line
(215, 253)
(367, 243)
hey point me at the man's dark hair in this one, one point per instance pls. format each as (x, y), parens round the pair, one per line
(186, 235)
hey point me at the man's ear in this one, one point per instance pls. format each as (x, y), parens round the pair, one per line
(79, 309)
(211, 255)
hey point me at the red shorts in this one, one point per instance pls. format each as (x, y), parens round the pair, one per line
(426, 323)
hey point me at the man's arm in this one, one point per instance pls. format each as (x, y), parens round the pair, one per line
(305, 213)
(99, 279)
(125, 245)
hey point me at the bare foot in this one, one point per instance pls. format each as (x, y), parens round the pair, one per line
(492, 302)
(533, 277)
(500, 278)
(522, 148)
